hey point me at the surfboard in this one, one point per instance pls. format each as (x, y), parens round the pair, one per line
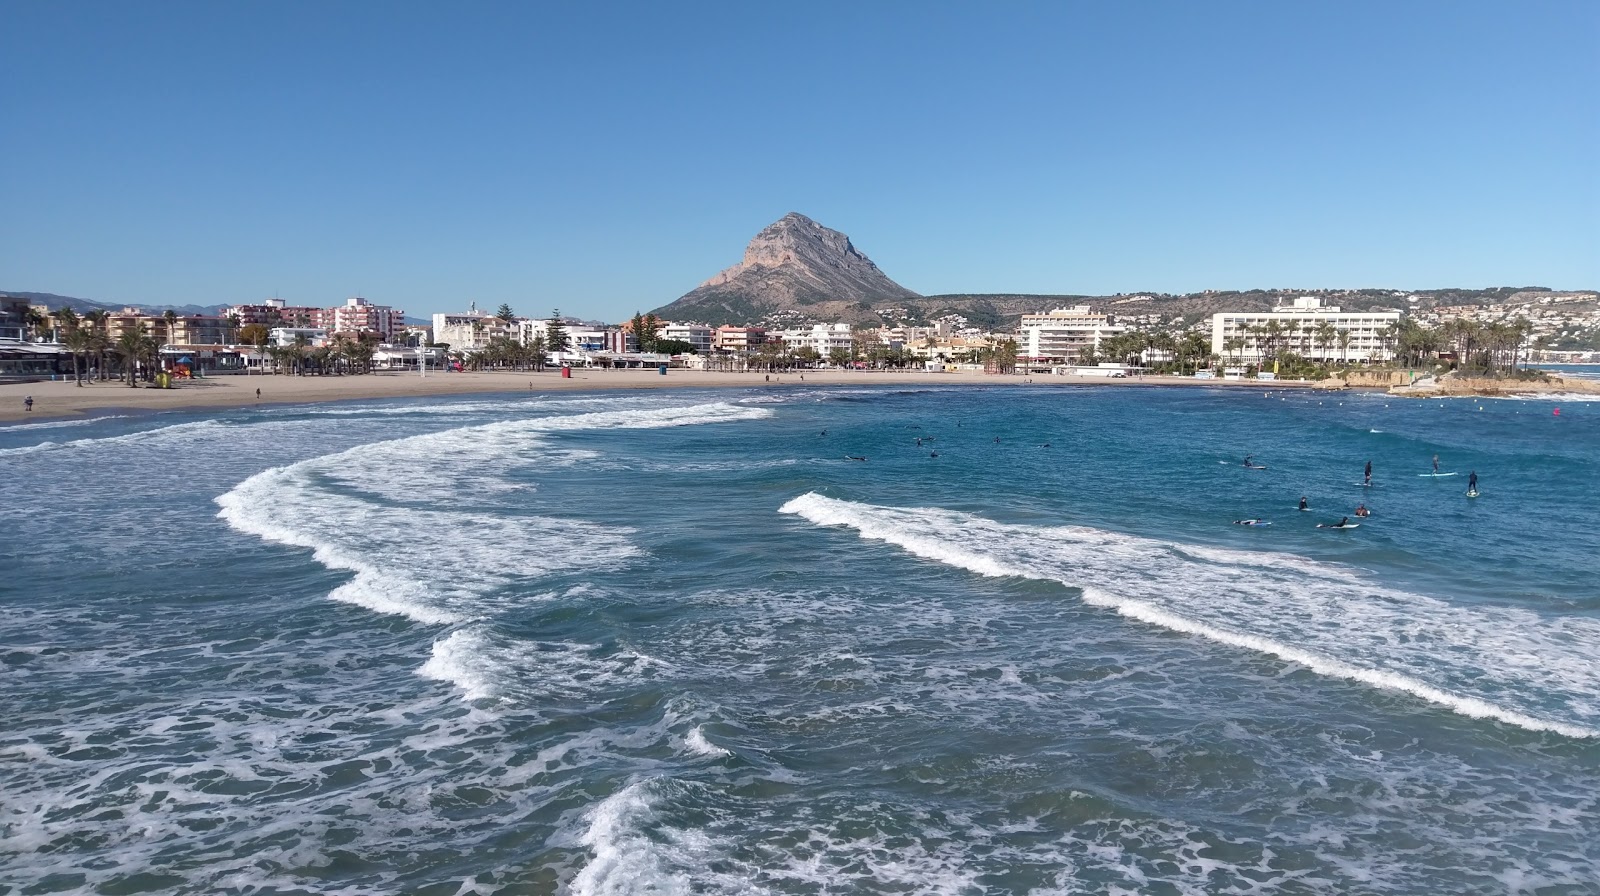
(1337, 526)
(1252, 522)
(1304, 509)
(1255, 466)
(1433, 475)
(1472, 493)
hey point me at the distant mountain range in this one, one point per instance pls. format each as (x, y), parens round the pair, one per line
(53, 302)
(797, 271)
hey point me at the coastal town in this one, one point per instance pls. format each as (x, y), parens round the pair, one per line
(1306, 337)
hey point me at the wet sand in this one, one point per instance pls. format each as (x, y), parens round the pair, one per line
(66, 399)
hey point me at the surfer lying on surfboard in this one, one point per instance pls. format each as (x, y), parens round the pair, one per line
(1256, 522)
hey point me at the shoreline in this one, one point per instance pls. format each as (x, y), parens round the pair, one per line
(63, 399)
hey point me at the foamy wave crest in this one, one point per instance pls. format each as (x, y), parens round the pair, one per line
(433, 566)
(461, 660)
(59, 424)
(696, 741)
(438, 566)
(178, 432)
(1509, 665)
(628, 860)
(451, 463)
(543, 673)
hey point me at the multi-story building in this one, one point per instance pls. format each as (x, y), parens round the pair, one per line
(1063, 335)
(739, 339)
(357, 315)
(1304, 327)
(474, 329)
(823, 338)
(283, 337)
(277, 313)
(699, 336)
(13, 317)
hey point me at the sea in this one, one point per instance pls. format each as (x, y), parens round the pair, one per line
(805, 640)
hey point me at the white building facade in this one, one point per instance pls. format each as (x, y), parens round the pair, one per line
(470, 331)
(1356, 336)
(824, 338)
(701, 337)
(1063, 335)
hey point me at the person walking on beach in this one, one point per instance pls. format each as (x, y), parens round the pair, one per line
(1368, 480)
(27, 404)
(258, 395)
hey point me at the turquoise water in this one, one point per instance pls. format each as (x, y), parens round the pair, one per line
(676, 643)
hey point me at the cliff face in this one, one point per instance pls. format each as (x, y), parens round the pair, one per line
(793, 263)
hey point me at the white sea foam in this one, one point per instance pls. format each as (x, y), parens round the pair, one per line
(1510, 665)
(59, 424)
(696, 741)
(435, 565)
(177, 433)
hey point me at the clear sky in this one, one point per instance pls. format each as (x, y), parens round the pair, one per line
(605, 158)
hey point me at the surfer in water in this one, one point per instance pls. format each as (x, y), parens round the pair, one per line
(1303, 504)
(1249, 460)
(1472, 481)
(1368, 479)
(1436, 463)
(1361, 510)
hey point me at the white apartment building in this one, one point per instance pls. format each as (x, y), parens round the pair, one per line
(283, 337)
(1063, 335)
(698, 335)
(1235, 335)
(824, 338)
(470, 331)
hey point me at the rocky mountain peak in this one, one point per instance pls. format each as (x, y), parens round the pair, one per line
(793, 261)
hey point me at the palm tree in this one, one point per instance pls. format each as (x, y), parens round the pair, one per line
(134, 345)
(37, 321)
(300, 343)
(1344, 346)
(99, 340)
(75, 337)
(1324, 336)
(171, 317)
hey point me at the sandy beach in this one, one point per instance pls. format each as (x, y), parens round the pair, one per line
(66, 399)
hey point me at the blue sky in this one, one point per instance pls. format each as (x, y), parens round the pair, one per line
(606, 158)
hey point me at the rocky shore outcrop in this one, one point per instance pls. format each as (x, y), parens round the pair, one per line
(1454, 385)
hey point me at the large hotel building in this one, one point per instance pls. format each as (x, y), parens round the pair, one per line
(1236, 335)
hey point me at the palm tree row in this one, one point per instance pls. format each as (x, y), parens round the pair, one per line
(344, 355)
(504, 352)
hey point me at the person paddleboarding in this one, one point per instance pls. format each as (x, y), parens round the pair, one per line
(1367, 479)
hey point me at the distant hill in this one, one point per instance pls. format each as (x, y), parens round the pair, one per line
(796, 271)
(53, 301)
(793, 264)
